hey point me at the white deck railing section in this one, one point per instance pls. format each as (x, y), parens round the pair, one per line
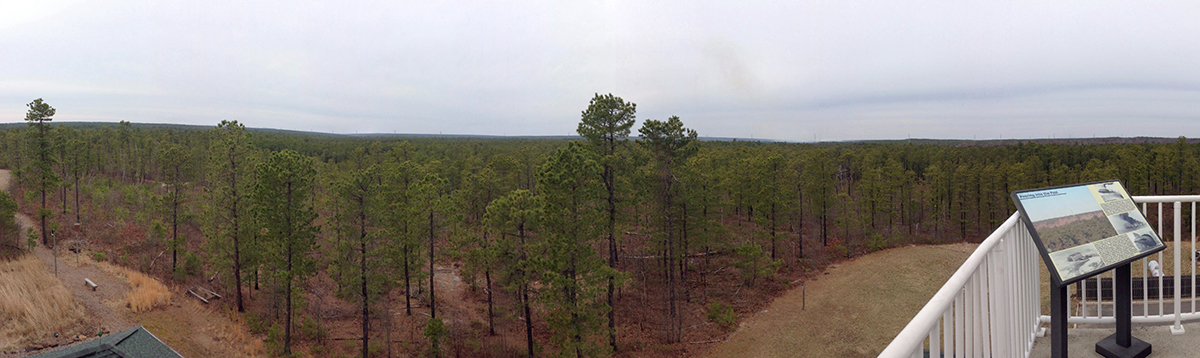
(991, 307)
(991, 304)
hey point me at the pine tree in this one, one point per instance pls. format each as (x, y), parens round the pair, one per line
(230, 178)
(477, 190)
(669, 144)
(42, 166)
(514, 217)
(175, 164)
(402, 219)
(606, 124)
(364, 275)
(574, 275)
(283, 205)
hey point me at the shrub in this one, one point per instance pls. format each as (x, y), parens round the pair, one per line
(721, 314)
(256, 324)
(311, 330)
(318, 350)
(274, 340)
(753, 264)
(191, 263)
(878, 242)
(375, 349)
(435, 330)
(31, 238)
(98, 256)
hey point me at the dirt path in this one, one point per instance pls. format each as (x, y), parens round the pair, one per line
(854, 310)
(105, 306)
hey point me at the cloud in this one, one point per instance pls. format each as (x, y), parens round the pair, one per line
(832, 70)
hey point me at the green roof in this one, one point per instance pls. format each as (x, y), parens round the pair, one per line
(135, 342)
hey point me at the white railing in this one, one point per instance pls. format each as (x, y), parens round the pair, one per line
(992, 305)
(989, 307)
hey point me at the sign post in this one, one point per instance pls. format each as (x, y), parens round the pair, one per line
(1122, 343)
(1082, 230)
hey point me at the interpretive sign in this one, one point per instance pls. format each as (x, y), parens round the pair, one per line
(1086, 229)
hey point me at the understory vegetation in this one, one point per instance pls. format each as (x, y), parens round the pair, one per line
(615, 243)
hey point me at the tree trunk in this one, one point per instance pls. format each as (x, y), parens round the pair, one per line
(528, 319)
(174, 224)
(773, 240)
(800, 224)
(407, 282)
(287, 335)
(432, 301)
(670, 254)
(237, 247)
(366, 316)
(487, 274)
(573, 296)
(77, 199)
(613, 258)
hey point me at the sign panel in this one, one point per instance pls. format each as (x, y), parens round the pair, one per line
(1086, 229)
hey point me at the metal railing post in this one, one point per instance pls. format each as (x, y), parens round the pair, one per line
(1177, 329)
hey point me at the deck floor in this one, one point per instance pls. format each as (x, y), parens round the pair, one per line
(1081, 342)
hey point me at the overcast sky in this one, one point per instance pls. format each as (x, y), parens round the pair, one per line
(788, 70)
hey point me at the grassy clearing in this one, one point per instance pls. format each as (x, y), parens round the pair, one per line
(33, 304)
(854, 311)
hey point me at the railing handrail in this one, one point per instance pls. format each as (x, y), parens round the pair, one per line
(914, 333)
(1166, 198)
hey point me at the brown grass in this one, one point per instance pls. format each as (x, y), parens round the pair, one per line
(854, 311)
(33, 304)
(147, 292)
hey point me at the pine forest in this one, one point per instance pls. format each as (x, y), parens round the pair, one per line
(639, 237)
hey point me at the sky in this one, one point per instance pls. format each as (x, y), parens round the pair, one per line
(1065, 202)
(783, 70)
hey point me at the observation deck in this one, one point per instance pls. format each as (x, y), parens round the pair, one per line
(997, 303)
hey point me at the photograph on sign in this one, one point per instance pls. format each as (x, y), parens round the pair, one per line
(1086, 228)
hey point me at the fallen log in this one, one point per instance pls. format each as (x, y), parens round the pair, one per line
(197, 296)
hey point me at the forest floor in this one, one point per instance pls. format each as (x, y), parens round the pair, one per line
(858, 306)
(185, 325)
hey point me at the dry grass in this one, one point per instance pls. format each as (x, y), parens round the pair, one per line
(236, 332)
(854, 311)
(147, 292)
(33, 304)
